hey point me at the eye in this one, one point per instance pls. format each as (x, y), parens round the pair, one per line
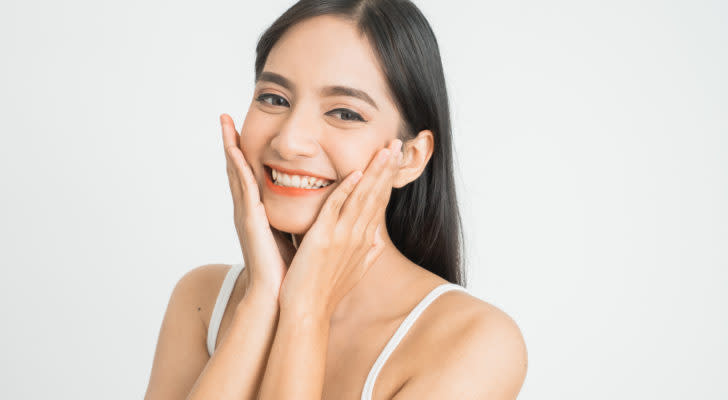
(347, 115)
(275, 99)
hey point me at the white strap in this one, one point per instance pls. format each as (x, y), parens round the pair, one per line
(223, 297)
(401, 331)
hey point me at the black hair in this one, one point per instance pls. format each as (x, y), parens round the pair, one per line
(422, 217)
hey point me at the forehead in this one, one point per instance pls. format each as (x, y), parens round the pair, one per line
(328, 50)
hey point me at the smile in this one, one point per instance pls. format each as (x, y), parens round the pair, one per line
(293, 185)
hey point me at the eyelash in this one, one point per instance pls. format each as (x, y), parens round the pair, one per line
(356, 117)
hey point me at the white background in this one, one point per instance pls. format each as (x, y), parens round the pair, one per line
(591, 146)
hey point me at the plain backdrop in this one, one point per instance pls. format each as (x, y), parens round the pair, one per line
(591, 140)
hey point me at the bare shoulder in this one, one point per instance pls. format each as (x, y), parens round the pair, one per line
(472, 350)
(199, 288)
(181, 351)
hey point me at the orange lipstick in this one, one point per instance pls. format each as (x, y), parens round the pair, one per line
(289, 191)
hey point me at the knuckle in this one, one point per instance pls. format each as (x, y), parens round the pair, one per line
(339, 236)
(320, 243)
(382, 195)
(336, 201)
(371, 231)
(360, 198)
(350, 187)
(358, 229)
(316, 240)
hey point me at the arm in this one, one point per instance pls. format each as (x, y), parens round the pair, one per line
(180, 354)
(236, 367)
(298, 357)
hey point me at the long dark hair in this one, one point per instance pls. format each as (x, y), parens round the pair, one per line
(422, 217)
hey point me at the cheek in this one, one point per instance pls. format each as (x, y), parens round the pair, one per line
(350, 154)
(253, 137)
(249, 144)
(349, 158)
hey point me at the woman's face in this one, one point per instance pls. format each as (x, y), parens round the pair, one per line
(303, 118)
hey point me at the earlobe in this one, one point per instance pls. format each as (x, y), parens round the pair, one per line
(417, 153)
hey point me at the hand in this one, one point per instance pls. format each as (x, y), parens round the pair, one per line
(344, 241)
(267, 251)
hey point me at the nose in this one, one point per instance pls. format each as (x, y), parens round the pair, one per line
(296, 137)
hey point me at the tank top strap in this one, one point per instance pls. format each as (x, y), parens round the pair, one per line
(223, 296)
(401, 332)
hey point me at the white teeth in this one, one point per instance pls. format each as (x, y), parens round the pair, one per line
(306, 182)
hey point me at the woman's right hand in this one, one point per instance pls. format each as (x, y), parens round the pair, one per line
(267, 252)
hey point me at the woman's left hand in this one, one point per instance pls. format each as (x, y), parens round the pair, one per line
(343, 242)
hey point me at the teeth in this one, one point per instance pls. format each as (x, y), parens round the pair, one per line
(306, 182)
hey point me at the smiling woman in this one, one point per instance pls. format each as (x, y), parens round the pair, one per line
(352, 284)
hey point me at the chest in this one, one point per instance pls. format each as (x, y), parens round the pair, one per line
(351, 353)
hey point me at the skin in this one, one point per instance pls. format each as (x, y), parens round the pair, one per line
(301, 132)
(342, 293)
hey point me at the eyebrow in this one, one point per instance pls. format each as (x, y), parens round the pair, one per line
(336, 90)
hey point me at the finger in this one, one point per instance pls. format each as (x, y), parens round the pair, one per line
(363, 193)
(332, 206)
(372, 234)
(229, 146)
(251, 195)
(245, 179)
(378, 196)
(235, 188)
(229, 133)
(374, 208)
(358, 197)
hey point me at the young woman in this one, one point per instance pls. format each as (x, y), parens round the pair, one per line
(342, 185)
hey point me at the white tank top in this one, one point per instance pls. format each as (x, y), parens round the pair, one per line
(227, 288)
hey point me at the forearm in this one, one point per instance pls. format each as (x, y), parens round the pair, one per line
(297, 360)
(236, 368)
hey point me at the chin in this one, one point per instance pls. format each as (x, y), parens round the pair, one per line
(291, 221)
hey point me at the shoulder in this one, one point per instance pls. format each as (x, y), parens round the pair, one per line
(474, 350)
(198, 289)
(181, 351)
(201, 279)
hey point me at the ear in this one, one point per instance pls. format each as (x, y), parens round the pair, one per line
(417, 153)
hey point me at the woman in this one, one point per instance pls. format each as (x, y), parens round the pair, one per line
(345, 209)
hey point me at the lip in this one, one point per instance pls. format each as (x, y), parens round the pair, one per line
(289, 191)
(298, 172)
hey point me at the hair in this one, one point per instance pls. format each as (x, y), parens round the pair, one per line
(422, 217)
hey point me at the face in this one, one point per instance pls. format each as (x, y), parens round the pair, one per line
(300, 121)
